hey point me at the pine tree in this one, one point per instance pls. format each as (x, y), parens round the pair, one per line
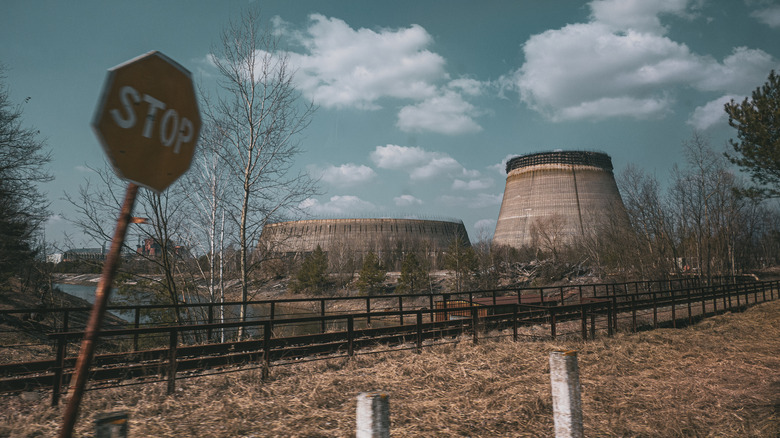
(757, 121)
(414, 274)
(313, 274)
(372, 275)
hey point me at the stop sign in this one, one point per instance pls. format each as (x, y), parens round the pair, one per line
(147, 120)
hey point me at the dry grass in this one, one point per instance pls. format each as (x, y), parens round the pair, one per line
(718, 378)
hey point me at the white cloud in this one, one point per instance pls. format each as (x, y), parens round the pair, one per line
(346, 67)
(419, 163)
(444, 113)
(399, 157)
(342, 67)
(501, 167)
(641, 15)
(711, 113)
(769, 16)
(620, 64)
(485, 226)
(406, 201)
(348, 174)
(337, 206)
(474, 184)
(471, 87)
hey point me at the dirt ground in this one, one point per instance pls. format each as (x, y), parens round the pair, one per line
(718, 378)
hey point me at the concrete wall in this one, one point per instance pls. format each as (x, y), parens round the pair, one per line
(560, 193)
(358, 235)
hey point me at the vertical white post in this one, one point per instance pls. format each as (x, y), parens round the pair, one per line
(567, 403)
(373, 415)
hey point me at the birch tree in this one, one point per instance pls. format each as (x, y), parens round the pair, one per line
(258, 113)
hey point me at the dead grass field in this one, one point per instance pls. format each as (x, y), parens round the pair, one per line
(719, 378)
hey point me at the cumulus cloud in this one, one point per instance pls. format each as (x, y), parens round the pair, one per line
(474, 184)
(346, 67)
(342, 67)
(348, 174)
(485, 227)
(336, 206)
(708, 115)
(419, 163)
(445, 113)
(501, 167)
(640, 15)
(621, 64)
(769, 16)
(406, 201)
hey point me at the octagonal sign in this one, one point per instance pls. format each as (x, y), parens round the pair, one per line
(147, 120)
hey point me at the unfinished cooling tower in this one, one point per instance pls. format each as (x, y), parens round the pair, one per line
(359, 236)
(556, 197)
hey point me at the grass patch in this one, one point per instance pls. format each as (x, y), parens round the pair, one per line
(717, 378)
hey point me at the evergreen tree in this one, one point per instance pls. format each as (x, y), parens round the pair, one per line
(757, 121)
(414, 274)
(372, 274)
(313, 274)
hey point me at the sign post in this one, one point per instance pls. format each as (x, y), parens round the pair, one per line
(147, 121)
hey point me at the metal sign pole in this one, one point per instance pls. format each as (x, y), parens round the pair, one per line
(98, 312)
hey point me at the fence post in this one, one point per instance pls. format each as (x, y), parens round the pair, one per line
(419, 331)
(736, 289)
(674, 314)
(267, 332)
(514, 323)
(609, 318)
(430, 299)
(567, 401)
(373, 415)
(172, 344)
(322, 314)
(633, 313)
(350, 335)
(592, 323)
(368, 311)
(552, 322)
(474, 324)
(584, 323)
(702, 295)
(58, 370)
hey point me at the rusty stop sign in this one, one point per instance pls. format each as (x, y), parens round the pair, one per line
(147, 120)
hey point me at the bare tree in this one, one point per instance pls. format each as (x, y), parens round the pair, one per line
(23, 158)
(258, 114)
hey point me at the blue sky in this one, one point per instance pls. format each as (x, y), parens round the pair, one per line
(420, 102)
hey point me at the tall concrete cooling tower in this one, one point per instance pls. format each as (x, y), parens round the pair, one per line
(560, 195)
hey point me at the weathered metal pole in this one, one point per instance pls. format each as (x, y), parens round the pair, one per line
(373, 415)
(567, 402)
(98, 312)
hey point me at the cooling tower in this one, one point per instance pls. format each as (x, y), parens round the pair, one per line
(359, 236)
(556, 196)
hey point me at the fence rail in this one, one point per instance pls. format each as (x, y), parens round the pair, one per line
(172, 352)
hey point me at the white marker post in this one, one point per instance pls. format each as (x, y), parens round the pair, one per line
(567, 403)
(373, 415)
